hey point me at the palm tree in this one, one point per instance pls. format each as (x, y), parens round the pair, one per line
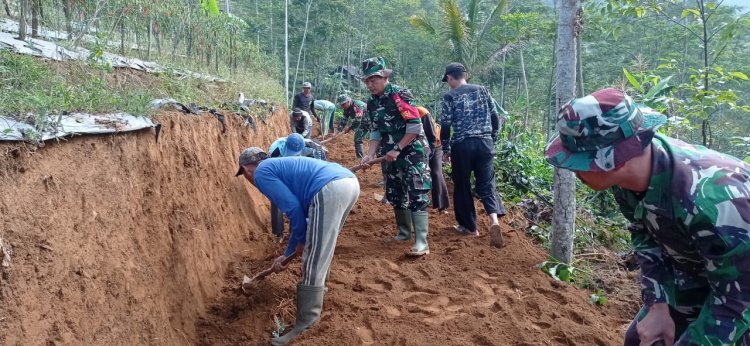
(463, 31)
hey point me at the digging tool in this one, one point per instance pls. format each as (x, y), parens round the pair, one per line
(246, 281)
(329, 139)
(369, 163)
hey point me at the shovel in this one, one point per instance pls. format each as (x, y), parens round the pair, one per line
(368, 163)
(246, 281)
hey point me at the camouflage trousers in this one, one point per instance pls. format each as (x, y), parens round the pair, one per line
(407, 180)
(685, 306)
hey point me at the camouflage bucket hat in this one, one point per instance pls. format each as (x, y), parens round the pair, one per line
(375, 67)
(249, 156)
(601, 131)
(342, 99)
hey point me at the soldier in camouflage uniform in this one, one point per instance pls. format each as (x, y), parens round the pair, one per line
(396, 131)
(354, 111)
(689, 209)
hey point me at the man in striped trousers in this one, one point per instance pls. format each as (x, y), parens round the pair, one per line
(317, 196)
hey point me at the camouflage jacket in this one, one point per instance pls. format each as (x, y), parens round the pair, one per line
(470, 111)
(691, 229)
(392, 115)
(355, 114)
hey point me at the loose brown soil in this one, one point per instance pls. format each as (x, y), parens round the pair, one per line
(119, 240)
(463, 293)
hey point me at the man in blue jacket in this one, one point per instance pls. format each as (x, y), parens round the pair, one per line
(317, 197)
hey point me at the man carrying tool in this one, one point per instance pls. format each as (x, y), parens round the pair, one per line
(354, 111)
(301, 123)
(302, 187)
(305, 100)
(439, 187)
(689, 213)
(292, 145)
(327, 108)
(469, 110)
(396, 129)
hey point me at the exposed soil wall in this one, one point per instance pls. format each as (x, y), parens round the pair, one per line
(121, 240)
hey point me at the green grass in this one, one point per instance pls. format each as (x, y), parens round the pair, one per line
(32, 85)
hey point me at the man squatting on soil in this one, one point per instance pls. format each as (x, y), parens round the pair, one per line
(396, 129)
(469, 110)
(689, 213)
(303, 188)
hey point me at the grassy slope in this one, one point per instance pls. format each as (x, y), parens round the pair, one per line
(29, 84)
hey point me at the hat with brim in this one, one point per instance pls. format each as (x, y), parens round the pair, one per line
(295, 143)
(250, 156)
(375, 67)
(601, 131)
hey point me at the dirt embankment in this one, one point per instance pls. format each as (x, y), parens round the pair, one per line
(120, 240)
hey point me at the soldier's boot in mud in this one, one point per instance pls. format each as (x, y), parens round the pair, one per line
(404, 224)
(309, 307)
(358, 151)
(420, 219)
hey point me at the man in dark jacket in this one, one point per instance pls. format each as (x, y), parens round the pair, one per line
(469, 110)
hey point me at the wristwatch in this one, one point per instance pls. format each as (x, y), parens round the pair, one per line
(397, 148)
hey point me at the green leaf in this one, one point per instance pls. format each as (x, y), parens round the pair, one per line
(739, 75)
(658, 89)
(747, 159)
(632, 80)
(210, 7)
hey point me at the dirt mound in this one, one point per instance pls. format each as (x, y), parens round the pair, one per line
(463, 293)
(123, 240)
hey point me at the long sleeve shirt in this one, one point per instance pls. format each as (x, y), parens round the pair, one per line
(691, 229)
(303, 126)
(353, 116)
(470, 112)
(291, 183)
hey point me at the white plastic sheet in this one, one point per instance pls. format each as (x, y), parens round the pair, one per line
(72, 124)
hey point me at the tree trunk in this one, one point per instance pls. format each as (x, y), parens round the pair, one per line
(286, 51)
(36, 9)
(502, 83)
(23, 7)
(68, 11)
(526, 92)
(579, 69)
(302, 45)
(7, 8)
(564, 211)
(122, 35)
(148, 36)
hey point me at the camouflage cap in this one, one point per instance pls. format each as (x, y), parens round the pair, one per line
(341, 99)
(249, 156)
(601, 131)
(375, 67)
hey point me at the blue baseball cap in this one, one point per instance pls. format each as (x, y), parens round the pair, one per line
(295, 143)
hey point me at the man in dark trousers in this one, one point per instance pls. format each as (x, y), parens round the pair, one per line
(689, 213)
(305, 100)
(469, 110)
(440, 199)
(317, 196)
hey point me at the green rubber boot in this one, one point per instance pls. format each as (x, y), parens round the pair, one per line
(404, 223)
(309, 307)
(421, 227)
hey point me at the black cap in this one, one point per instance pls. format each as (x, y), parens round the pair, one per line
(453, 67)
(297, 112)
